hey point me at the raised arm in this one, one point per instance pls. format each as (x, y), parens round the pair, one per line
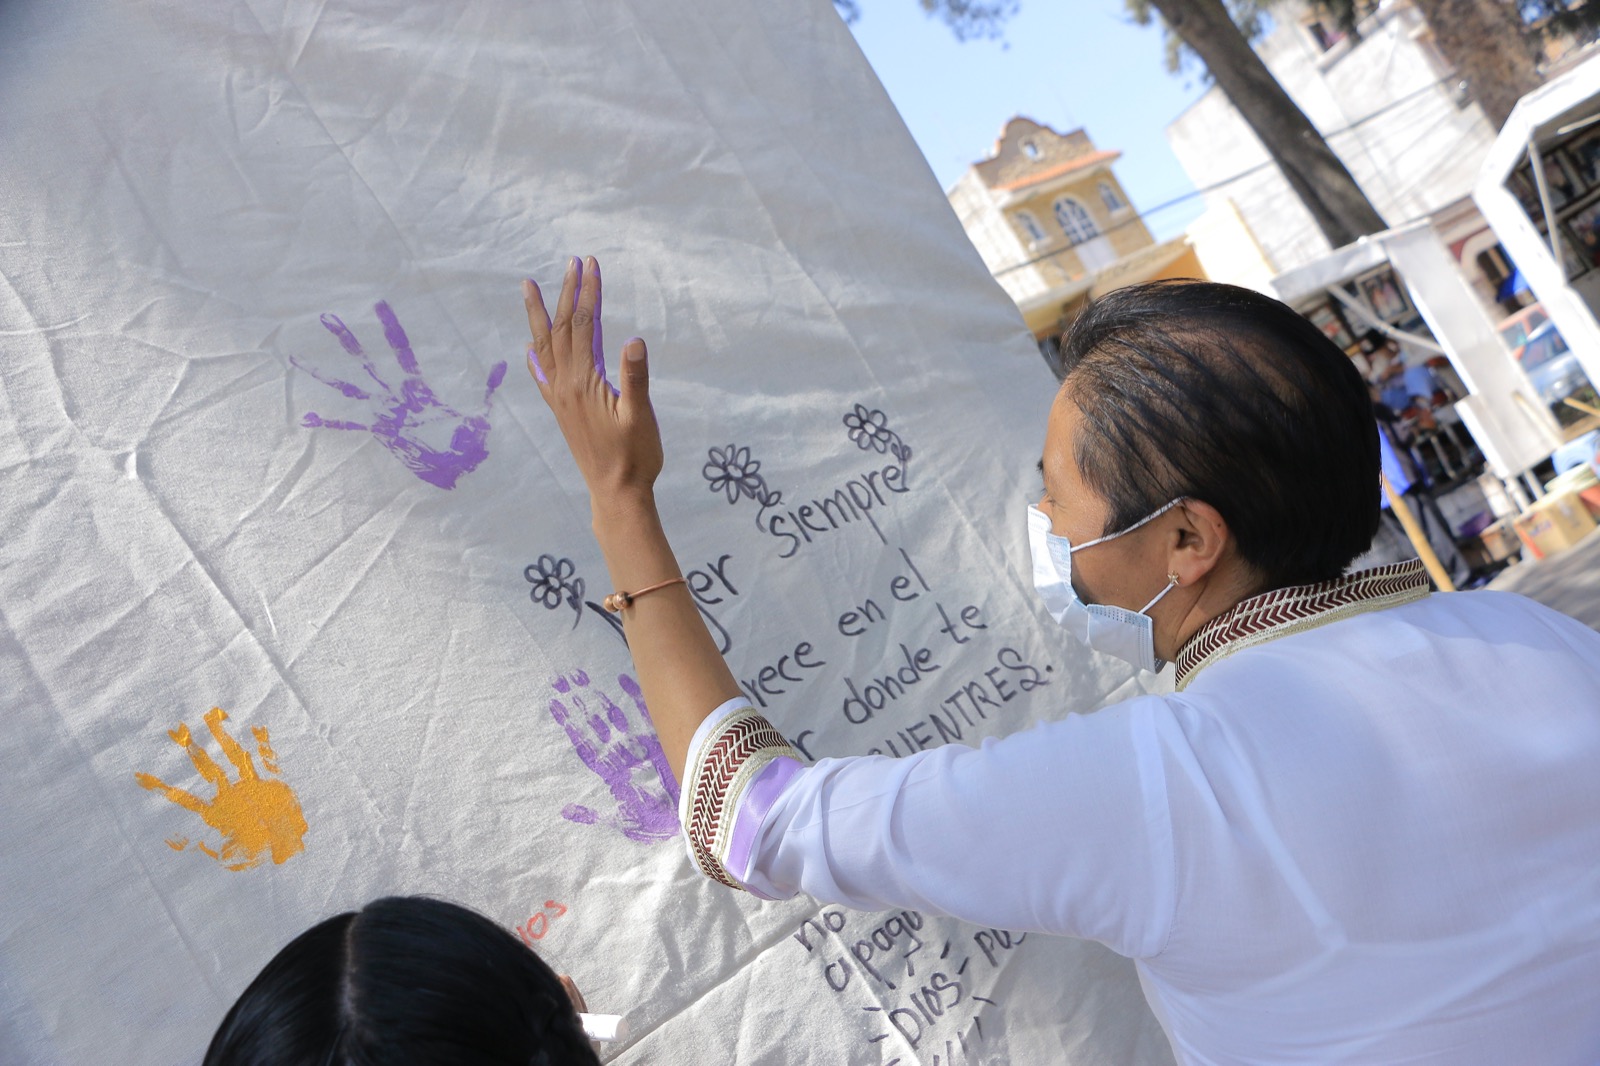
(1055, 830)
(615, 441)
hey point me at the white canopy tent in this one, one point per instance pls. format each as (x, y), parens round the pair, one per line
(1502, 410)
(1561, 107)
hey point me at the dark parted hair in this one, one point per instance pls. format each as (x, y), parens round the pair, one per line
(1218, 393)
(405, 981)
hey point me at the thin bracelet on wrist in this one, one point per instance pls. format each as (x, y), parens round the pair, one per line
(617, 601)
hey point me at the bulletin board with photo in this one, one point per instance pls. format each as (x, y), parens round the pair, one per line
(1385, 294)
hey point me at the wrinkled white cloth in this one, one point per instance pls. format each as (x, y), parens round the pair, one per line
(267, 445)
(1373, 841)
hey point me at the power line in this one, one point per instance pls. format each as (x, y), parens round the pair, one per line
(1224, 182)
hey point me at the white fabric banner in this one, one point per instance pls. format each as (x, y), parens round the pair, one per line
(267, 446)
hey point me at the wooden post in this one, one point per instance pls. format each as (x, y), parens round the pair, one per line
(1419, 540)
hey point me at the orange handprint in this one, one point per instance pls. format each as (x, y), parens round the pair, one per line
(252, 814)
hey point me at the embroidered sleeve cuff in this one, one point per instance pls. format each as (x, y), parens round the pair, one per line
(738, 766)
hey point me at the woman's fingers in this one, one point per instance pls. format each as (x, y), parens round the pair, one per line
(584, 315)
(561, 323)
(635, 395)
(539, 353)
(611, 432)
(565, 346)
(599, 345)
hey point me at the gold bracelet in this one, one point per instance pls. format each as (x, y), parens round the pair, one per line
(619, 599)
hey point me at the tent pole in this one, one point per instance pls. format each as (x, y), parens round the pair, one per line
(1419, 540)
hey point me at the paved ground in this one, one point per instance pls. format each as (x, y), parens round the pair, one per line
(1568, 581)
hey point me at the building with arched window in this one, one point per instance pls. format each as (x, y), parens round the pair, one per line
(1050, 219)
(1112, 198)
(1031, 227)
(1075, 220)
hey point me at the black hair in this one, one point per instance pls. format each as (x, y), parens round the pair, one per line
(405, 981)
(1218, 393)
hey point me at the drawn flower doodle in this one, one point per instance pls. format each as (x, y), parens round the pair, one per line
(870, 430)
(256, 816)
(623, 753)
(554, 581)
(731, 470)
(406, 416)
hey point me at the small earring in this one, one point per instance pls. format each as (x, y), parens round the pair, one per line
(1172, 579)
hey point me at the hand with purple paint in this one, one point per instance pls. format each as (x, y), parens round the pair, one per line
(611, 433)
(625, 754)
(597, 347)
(410, 421)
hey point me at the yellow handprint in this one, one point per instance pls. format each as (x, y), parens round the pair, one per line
(252, 814)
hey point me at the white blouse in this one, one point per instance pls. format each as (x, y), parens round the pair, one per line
(1365, 829)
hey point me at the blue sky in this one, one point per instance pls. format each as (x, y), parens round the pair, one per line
(1069, 63)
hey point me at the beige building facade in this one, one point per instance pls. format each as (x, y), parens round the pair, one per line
(1055, 227)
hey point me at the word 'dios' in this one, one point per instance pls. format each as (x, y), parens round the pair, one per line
(255, 817)
(926, 978)
(538, 924)
(433, 440)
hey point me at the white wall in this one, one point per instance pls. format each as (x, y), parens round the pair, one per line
(1228, 251)
(1412, 149)
(994, 238)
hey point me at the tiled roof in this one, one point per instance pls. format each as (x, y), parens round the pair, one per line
(1104, 155)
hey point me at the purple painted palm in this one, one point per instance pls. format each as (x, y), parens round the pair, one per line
(624, 754)
(410, 421)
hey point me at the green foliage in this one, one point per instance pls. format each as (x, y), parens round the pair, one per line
(1249, 15)
(973, 19)
(986, 19)
(967, 19)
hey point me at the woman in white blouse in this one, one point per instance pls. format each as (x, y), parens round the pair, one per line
(1364, 828)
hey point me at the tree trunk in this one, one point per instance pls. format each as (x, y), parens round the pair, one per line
(1483, 40)
(1341, 210)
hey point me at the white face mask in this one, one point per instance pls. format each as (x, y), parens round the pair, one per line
(1129, 635)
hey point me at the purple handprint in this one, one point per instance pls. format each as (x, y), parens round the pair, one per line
(412, 411)
(625, 755)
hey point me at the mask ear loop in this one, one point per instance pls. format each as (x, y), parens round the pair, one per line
(1151, 517)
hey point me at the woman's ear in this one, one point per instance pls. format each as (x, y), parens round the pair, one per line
(1202, 542)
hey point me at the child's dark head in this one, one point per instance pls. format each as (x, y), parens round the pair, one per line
(408, 981)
